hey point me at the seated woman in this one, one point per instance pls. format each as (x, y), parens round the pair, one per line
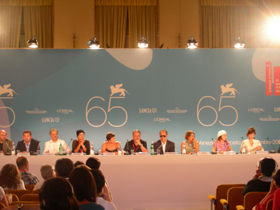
(57, 194)
(3, 197)
(274, 193)
(221, 144)
(81, 145)
(111, 145)
(84, 187)
(191, 143)
(251, 145)
(10, 178)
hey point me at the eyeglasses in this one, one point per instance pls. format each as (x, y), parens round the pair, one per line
(163, 136)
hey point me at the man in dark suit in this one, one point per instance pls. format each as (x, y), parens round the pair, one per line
(28, 144)
(163, 144)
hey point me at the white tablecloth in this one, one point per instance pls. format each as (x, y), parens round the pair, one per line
(164, 182)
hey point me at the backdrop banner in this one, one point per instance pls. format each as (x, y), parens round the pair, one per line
(119, 90)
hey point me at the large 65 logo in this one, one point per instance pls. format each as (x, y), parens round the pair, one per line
(220, 109)
(88, 110)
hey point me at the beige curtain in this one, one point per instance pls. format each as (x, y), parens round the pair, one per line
(38, 22)
(10, 23)
(127, 2)
(26, 2)
(111, 24)
(142, 22)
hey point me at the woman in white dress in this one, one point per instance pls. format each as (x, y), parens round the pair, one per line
(250, 144)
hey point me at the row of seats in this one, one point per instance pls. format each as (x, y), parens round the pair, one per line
(229, 197)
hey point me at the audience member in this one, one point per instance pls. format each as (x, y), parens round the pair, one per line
(23, 166)
(47, 171)
(274, 187)
(94, 163)
(57, 194)
(63, 167)
(3, 197)
(100, 186)
(84, 187)
(78, 163)
(10, 178)
(262, 184)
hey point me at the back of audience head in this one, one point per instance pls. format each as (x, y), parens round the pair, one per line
(99, 180)
(10, 177)
(93, 163)
(78, 163)
(63, 167)
(22, 163)
(83, 184)
(57, 194)
(47, 171)
(276, 177)
(267, 166)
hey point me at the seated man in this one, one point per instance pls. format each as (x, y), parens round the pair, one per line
(28, 144)
(52, 146)
(63, 167)
(47, 171)
(6, 145)
(262, 183)
(136, 144)
(164, 145)
(23, 166)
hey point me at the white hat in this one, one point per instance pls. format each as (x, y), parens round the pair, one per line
(221, 132)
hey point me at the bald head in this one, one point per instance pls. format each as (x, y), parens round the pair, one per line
(3, 135)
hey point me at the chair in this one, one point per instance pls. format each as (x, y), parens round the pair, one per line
(23, 202)
(36, 191)
(30, 197)
(221, 193)
(15, 197)
(2, 205)
(29, 187)
(18, 193)
(269, 204)
(234, 198)
(251, 199)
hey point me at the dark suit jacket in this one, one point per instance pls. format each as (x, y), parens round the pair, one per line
(170, 146)
(34, 146)
(128, 146)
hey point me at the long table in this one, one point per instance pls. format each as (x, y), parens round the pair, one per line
(164, 181)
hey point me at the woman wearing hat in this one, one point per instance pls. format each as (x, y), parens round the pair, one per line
(221, 144)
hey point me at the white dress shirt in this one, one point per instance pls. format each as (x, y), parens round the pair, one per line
(163, 146)
(106, 204)
(251, 149)
(53, 147)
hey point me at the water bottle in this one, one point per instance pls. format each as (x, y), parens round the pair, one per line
(243, 150)
(60, 150)
(91, 149)
(184, 150)
(119, 150)
(13, 152)
(152, 149)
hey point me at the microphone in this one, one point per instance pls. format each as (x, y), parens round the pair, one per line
(213, 152)
(242, 138)
(8, 153)
(271, 151)
(159, 148)
(96, 153)
(69, 142)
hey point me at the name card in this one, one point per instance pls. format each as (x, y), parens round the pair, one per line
(49, 154)
(229, 153)
(109, 153)
(262, 152)
(170, 153)
(202, 153)
(77, 154)
(23, 154)
(141, 153)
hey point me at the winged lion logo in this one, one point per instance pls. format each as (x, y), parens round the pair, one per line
(228, 89)
(118, 89)
(5, 89)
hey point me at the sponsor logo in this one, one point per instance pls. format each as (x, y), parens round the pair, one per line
(147, 110)
(117, 89)
(50, 120)
(36, 111)
(162, 120)
(176, 111)
(276, 109)
(64, 111)
(6, 92)
(256, 110)
(269, 118)
(228, 89)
